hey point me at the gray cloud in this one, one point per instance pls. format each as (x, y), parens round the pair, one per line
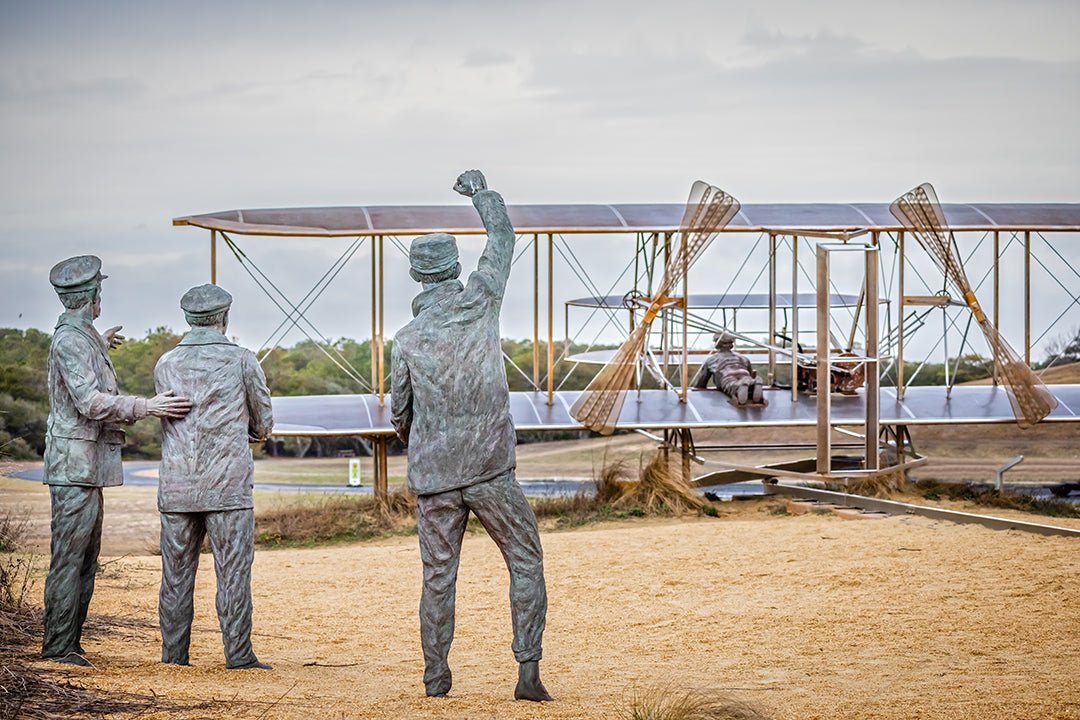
(486, 57)
(117, 117)
(16, 87)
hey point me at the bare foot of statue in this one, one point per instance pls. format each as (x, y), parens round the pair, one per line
(529, 686)
(253, 665)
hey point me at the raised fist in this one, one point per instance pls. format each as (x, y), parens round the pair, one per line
(470, 182)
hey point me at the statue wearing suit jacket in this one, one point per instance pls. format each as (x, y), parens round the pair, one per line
(82, 449)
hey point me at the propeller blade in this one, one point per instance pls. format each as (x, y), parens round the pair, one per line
(922, 215)
(708, 211)
(598, 407)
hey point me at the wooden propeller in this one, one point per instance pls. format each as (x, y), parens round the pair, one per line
(920, 212)
(708, 211)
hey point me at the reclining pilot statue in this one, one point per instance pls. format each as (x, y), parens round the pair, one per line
(731, 372)
(451, 406)
(82, 449)
(207, 476)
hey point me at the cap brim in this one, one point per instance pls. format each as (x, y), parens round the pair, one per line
(438, 269)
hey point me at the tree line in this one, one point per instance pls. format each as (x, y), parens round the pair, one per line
(305, 369)
(302, 369)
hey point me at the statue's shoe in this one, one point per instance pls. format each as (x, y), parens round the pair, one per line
(534, 692)
(72, 659)
(253, 665)
(440, 686)
(758, 393)
(742, 394)
(529, 686)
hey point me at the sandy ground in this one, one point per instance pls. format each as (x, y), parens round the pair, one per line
(956, 454)
(803, 617)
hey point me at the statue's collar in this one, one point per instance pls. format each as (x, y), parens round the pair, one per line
(76, 320)
(435, 295)
(205, 336)
(85, 326)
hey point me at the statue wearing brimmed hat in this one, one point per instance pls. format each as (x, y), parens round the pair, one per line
(82, 449)
(451, 406)
(207, 475)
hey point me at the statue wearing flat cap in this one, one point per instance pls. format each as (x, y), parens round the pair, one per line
(451, 406)
(207, 476)
(82, 449)
(731, 373)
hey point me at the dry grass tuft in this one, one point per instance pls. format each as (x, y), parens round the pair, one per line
(879, 486)
(13, 526)
(28, 689)
(658, 490)
(989, 496)
(613, 481)
(400, 504)
(661, 488)
(668, 703)
(318, 520)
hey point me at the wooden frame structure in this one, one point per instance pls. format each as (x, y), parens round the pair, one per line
(653, 226)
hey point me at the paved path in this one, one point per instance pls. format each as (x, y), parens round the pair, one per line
(144, 474)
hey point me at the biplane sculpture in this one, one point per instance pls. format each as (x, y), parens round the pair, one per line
(684, 233)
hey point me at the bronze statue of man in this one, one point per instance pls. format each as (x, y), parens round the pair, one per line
(82, 449)
(731, 372)
(207, 477)
(451, 406)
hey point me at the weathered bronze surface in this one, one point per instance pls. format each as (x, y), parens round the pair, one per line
(731, 373)
(207, 476)
(451, 406)
(82, 449)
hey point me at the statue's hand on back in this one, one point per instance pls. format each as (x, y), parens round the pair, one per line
(470, 182)
(168, 405)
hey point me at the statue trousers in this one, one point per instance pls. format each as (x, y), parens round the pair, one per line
(77, 512)
(232, 542)
(504, 512)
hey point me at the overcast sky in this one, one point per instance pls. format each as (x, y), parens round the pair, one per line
(116, 117)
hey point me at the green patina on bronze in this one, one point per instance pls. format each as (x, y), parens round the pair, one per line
(207, 476)
(451, 406)
(82, 449)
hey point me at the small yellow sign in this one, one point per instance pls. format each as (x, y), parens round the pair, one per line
(354, 472)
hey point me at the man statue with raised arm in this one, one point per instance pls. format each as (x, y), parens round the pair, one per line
(82, 449)
(451, 406)
(207, 477)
